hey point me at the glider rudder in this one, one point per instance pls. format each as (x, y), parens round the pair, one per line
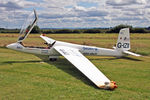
(123, 43)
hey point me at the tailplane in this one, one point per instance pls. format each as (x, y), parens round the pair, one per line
(131, 53)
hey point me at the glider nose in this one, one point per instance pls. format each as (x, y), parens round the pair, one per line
(13, 46)
(9, 46)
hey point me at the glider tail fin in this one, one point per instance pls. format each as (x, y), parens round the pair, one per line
(123, 43)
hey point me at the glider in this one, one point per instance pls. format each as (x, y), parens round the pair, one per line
(74, 53)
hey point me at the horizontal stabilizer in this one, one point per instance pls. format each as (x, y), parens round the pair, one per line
(131, 53)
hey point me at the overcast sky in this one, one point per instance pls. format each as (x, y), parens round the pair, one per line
(76, 13)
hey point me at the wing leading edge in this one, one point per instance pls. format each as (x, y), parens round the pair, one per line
(86, 67)
(47, 39)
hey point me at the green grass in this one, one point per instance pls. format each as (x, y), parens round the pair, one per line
(25, 76)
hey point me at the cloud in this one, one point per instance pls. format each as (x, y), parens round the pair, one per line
(89, 12)
(76, 13)
(10, 5)
(125, 2)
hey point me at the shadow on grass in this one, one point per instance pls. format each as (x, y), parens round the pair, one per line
(133, 59)
(67, 67)
(115, 58)
(103, 59)
(61, 64)
(11, 62)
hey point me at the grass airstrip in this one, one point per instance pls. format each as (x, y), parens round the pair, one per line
(26, 76)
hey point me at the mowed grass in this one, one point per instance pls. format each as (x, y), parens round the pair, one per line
(25, 76)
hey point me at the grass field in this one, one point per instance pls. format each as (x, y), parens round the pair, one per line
(25, 76)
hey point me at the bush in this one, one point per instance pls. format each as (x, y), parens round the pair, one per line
(139, 30)
(76, 31)
(47, 31)
(116, 29)
(64, 31)
(92, 31)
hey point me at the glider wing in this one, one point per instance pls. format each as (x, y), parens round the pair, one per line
(48, 40)
(86, 67)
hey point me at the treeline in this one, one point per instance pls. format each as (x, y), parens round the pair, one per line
(115, 29)
(60, 31)
(3, 30)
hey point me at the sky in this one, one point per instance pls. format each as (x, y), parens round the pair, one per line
(76, 13)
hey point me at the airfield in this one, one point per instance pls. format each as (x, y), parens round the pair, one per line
(26, 76)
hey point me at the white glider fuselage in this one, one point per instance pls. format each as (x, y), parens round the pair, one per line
(85, 50)
(91, 50)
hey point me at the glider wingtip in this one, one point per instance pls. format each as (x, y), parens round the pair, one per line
(110, 86)
(43, 34)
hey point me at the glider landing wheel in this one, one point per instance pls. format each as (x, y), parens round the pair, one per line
(52, 59)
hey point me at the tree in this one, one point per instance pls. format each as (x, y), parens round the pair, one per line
(139, 30)
(35, 29)
(47, 31)
(63, 31)
(2, 28)
(76, 31)
(92, 31)
(116, 29)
